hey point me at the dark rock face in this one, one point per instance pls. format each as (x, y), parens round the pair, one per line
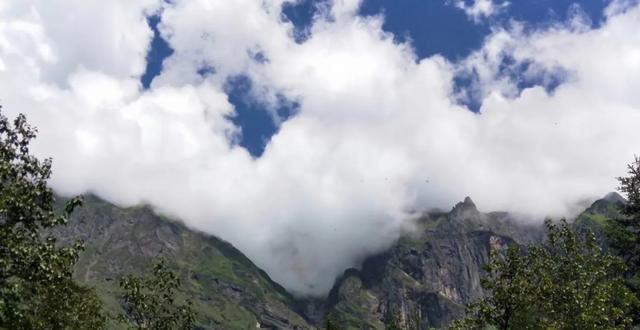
(429, 275)
(615, 198)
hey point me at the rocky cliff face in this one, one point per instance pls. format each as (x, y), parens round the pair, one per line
(430, 275)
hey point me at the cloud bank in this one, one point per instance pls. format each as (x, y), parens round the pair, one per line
(379, 133)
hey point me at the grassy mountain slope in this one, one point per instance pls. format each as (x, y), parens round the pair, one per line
(598, 214)
(229, 291)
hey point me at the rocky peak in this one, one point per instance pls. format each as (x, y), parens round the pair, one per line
(614, 197)
(468, 201)
(465, 209)
(609, 205)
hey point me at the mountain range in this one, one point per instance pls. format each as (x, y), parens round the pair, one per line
(428, 275)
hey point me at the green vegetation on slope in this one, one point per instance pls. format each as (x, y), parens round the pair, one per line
(227, 289)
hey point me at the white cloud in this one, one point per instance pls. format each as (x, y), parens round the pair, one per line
(337, 181)
(477, 10)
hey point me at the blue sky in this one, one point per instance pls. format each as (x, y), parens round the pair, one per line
(433, 27)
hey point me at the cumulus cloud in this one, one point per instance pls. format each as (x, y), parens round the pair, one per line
(379, 133)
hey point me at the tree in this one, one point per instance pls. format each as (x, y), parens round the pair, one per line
(630, 186)
(149, 303)
(36, 286)
(70, 306)
(566, 283)
(330, 323)
(624, 232)
(511, 294)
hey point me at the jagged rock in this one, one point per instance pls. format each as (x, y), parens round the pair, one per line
(433, 273)
(465, 210)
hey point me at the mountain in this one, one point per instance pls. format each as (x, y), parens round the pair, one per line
(595, 217)
(431, 275)
(428, 275)
(228, 290)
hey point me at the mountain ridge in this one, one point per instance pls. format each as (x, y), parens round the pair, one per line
(230, 292)
(431, 272)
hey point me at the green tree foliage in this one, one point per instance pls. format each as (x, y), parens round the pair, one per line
(624, 232)
(150, 302)
(566, 283)
(331, 324)
(36, 288)
(70, 306)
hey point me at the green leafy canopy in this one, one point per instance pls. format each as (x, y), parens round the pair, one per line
(149, 302)
(36, 286)
(567, 283)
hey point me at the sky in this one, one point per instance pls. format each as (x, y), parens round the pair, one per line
(312, 133)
